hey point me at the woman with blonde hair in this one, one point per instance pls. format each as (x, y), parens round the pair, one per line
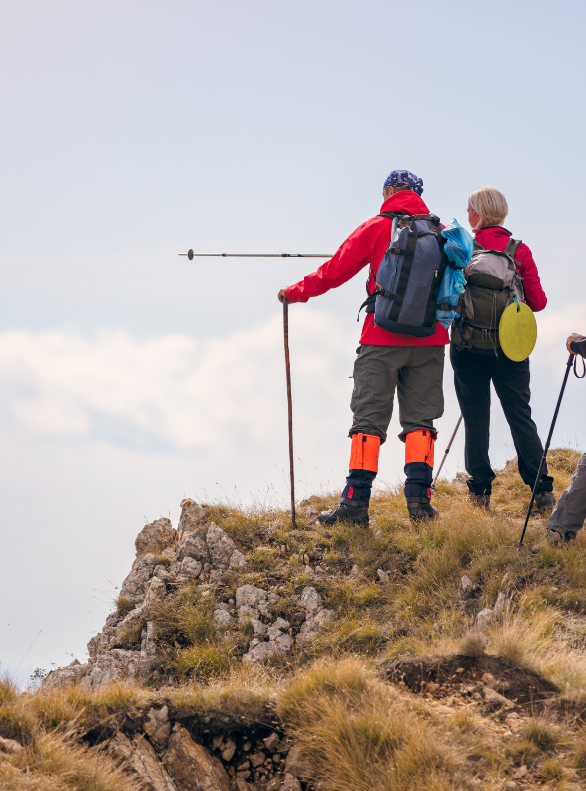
(475, 368)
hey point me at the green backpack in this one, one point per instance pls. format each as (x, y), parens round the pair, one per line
(492, 284)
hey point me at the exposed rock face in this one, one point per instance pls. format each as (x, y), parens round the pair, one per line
(64, 676)
(139, 758)
(155, 537)
(192, 515)
(166, 757)
(166, 559)
(192, 767)
(117, 664)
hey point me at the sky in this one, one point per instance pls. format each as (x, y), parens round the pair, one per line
(132, 131)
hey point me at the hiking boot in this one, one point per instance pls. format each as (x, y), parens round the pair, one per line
(553, 539)
(421, 510)
(480, 500)
(544, 502)
(357, 514)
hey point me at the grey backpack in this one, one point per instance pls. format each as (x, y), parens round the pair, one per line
(409, 276)
(492, 284)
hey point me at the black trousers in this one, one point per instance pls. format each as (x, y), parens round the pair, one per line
(473, 373)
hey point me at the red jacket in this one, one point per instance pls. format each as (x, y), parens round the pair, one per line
(496, 238)
(367, 245)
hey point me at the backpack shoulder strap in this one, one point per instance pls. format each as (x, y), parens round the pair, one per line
(391, 214)
(478, 246)
(512, 247)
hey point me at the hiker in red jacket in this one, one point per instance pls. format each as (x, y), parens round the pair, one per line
(386, 361)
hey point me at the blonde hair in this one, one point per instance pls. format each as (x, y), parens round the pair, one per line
(490, 205)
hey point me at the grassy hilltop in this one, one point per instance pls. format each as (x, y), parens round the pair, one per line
(402, 688)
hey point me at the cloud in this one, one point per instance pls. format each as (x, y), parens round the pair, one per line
(174, 391)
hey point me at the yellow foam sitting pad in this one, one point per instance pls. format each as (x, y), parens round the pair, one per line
(517, 331)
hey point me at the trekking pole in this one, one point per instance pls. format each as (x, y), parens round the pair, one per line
(452, 438)
(289, 406)
(191, 255)
(571, 360)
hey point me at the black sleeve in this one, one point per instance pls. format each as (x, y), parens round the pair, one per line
(578, 345)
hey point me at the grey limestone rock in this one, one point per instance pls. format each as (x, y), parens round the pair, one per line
(156, 592)
(310, 629)
(382, 575)
(283, 644)
(500, 605)
(484, 618)
(247, 613)
(220, 545)
(261, 651)
(126, 625)
(223, 619)
(192, 545)
(237, 561)
(258, 626)
(190, 568)
(155, 537)
(282, 624)
(192, 515)
(135, 585)
(273, 632)
(65, 676)
(249, 594)
(114, 665)
(311, 599)
(148, 650)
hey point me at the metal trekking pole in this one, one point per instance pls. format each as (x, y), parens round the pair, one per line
(289, 406)
(571, 359)
(191, 255)
(452, 438)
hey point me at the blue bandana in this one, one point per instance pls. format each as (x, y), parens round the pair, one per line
(403, 178)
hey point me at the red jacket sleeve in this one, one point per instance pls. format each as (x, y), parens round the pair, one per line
(351, 257)
(534, 294)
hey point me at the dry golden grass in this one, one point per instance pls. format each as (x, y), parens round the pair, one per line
(356, 733)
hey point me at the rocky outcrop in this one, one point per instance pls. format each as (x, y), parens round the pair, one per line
(199, 552)
(64, 676)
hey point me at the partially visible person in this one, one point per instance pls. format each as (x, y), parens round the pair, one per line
(475, 368)
(570, 512)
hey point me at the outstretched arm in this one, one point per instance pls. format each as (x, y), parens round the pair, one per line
(352, 256)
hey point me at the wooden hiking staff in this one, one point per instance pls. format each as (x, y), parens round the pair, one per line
(289, 406)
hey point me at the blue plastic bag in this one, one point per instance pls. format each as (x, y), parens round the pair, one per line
(459, 247)
(459, 244)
